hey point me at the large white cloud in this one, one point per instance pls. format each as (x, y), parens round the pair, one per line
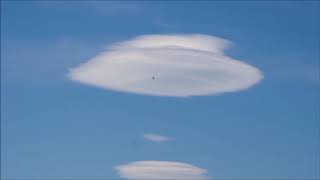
(182, 65)
(161, 170)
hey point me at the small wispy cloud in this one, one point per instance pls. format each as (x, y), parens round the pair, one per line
(156, 138)
(168, 65)
(161, 170)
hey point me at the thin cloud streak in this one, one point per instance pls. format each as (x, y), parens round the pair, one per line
(161, 170)
(156, 138)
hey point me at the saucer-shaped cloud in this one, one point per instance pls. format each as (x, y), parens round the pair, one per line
(160, 170)
(168, 65)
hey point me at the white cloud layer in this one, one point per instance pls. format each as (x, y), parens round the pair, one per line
(156, 137)
(155, 170)
(182, 66)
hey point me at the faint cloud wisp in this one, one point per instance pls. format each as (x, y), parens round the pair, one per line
(156, 138)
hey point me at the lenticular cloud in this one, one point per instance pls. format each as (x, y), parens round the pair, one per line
(168, 65)
(161, 170)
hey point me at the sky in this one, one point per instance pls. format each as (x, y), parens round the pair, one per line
(156, 90)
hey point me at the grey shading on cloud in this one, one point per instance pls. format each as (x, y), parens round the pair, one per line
(161, 170)
(168, 65)
(156, 137)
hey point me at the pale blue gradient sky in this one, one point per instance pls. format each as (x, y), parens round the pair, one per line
(52, 127)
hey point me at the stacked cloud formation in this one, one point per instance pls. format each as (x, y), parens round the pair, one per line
(167, 65)
(182, 66)
(157, 170)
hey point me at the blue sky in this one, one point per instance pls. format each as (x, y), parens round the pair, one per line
(53, 127)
